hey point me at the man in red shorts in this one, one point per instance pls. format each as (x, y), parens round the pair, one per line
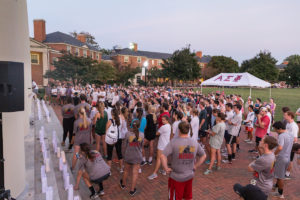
(183, 150)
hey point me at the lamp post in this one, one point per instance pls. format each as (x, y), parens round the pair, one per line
(146, 63)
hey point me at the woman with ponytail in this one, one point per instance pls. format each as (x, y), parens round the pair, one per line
(100, 121)
(115, 121)
(82, 134)
(133, 156)
(93, 170)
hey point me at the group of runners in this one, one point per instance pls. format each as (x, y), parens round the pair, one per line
(180, 130)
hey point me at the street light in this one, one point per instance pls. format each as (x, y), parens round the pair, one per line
(146, 64)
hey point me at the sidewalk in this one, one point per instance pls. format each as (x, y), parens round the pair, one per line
(216, 186)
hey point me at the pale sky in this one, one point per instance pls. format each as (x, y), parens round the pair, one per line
(235, 28)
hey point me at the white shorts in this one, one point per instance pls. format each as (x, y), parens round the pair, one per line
(161, 145)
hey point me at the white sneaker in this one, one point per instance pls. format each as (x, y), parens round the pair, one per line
(152, 176)
(276, 194)
(163, 172)
(140, 170)
(247, 140)
(250, 142)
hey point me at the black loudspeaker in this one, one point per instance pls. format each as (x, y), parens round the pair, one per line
(11, 86)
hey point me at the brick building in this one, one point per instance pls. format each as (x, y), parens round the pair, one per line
(46, 48)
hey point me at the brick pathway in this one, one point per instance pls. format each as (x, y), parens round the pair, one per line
(216, 186)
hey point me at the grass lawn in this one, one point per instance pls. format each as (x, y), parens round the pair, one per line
(282, 97)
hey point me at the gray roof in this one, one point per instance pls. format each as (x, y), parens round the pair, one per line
(59, 37)
(203, 59)
(106, 57)
(148, 54)
(281, 66)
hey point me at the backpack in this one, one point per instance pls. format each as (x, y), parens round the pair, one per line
(112, 133)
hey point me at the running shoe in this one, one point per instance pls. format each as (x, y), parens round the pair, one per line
(218, 168)
(247, 140)
(94, 196)
(208, 171)
(250, 142)
(121, 184)
(143, 163)
(276, 194)
(132, 193)
(163, 172)
(252, 151)
(152, 176)
(101, 193)
(287, 177)
(149, 162)
(207, 162)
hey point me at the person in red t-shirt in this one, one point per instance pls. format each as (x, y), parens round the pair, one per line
(262, 124)
(165, 107)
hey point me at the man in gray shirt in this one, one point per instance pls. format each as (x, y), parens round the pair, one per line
(263, 167)
(183, 150)
(282, 153)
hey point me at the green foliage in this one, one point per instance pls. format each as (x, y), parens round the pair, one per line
(90, 39)
(263, 66)
(223, 64)
(154, 73)
(291, 73)
(81, 70)
(126, 73)
(182, 65)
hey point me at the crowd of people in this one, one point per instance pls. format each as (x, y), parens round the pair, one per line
(181, 129)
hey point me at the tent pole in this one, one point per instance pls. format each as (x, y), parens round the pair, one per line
(250, 92)
(201, 88)
(270, 92)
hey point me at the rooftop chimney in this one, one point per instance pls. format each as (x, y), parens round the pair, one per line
(133, 46)
(81, 38)
(199, 54)
(39, 30)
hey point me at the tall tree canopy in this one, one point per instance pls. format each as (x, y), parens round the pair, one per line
(81, 70)
(90, 39)
(263, 66)
(182, 65)
(291, 73)
(221, 64)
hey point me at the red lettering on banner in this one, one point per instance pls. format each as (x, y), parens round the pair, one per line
(237, 78)
(220, 78)
(228, 78)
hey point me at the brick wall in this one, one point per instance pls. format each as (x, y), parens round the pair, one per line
(37, 69)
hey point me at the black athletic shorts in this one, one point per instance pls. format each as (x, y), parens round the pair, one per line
(230, 139)
(101, 179)
(257, 140)
(202, 133)
(292, 156)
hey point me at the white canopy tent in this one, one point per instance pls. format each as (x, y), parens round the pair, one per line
(236, 80)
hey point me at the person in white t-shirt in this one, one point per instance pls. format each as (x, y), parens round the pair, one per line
(95, 95)
(177, 116)
(298, 118)
(249, 124)
(116, 98)
(62, 98)
(164, 133)
(269, 114)
(102, 95)
(35, 87)
(292, 129)
(195, 124)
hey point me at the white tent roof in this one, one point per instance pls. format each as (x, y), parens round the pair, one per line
(236, 79)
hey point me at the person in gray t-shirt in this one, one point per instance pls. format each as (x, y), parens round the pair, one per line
(133, 155)
(183, 151)
(282, 153)
(92, 168)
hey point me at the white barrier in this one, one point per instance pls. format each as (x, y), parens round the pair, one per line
(76, 198)
(39, 109)
(49, 193)
(44, 184)
(70, 192)
(46, 111)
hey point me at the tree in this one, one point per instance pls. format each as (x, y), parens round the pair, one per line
(291, 73)
(154, 73)
(90, 39)
(72, 68)
(126, 73)
(263, 66)
(221, 64)
(101, 73)
(182, 65)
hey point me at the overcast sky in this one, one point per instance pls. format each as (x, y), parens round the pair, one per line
(236, 28)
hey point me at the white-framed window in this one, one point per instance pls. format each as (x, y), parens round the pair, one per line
(35, 58)
(77, 51)
(84, 53)
(139, 59)
(152, 62)
(68, 48)
(126, 59)
(92, 54)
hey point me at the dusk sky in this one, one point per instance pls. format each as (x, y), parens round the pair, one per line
(236, 28)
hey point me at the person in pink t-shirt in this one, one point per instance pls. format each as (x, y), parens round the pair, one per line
(262, 124)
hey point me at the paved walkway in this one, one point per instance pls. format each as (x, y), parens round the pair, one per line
(216, 186)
